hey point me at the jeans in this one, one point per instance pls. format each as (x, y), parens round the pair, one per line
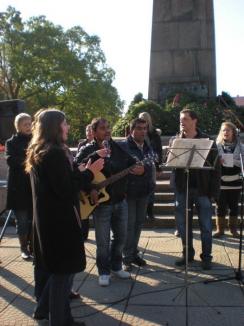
(109, 252)
(136, 217)
(204, 211)
(53, 301)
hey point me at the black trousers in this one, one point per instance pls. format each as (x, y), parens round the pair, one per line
(228, 199)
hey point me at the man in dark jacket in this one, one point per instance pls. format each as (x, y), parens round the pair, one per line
(139, 189)
(204, 187)
(19, 198)
(112, 214)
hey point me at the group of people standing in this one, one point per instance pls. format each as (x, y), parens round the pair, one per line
(45, 181)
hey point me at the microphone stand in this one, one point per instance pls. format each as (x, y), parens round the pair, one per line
(238, 273)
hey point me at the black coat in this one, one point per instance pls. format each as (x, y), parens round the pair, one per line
(58, 243)
(156, 144)
(207, 182)
(19, 189)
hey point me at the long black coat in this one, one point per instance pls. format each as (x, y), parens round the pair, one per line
(19, 189)
(58, 243)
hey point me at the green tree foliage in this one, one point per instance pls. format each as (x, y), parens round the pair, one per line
(49, 67)
(211, 112)
(137, 106)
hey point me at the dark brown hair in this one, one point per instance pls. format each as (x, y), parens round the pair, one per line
(191, 113)
(47, 132)
(96, 121)
(137, 121)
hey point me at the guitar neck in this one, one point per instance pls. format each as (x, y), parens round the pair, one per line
(114, 178)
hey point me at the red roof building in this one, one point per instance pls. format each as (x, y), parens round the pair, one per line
(239, 100)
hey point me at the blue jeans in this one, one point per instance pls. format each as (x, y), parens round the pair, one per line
(204, 211)
(53, 301)
(109, 252)
(136, 217)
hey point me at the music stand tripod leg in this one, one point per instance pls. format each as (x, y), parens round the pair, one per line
(5, 224)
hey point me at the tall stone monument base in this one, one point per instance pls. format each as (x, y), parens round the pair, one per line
(182, 49)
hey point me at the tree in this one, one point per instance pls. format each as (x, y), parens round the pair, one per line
(137, 106)
(49, 67)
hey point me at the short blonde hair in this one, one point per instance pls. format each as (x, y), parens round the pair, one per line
(19, 118)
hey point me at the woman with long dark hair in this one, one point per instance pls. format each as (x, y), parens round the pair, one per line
(58, 244)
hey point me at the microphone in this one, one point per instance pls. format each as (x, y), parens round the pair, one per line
(107, 146)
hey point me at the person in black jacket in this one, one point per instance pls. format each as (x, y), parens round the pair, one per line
(154, 141)
(112, 214)
(58, 245)
(19, 190)
(139, 189)
(204, 187)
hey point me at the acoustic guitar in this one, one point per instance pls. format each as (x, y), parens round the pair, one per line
(100, 182)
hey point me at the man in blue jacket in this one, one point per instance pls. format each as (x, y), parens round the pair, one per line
(139, 189)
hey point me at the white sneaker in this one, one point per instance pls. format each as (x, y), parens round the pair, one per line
(24, 255)
(121, 274)
(104, 280)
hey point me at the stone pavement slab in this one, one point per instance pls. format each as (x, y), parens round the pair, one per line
(155, 295)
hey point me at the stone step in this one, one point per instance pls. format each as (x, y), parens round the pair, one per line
(165, 175)
(162, 197)
(163, 186)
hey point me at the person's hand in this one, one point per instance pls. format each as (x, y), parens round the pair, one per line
(222, 161)
(82, 167)
(138, 170)
(104, 152)
(94, 196)
(96, 166)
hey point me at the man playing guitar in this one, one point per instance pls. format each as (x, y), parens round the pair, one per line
(113, 213)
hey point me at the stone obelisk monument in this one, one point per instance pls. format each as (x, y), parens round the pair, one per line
(182, 49)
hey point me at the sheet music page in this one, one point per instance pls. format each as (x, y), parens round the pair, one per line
(228, 160)
(180, 151)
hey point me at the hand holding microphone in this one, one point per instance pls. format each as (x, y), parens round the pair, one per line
(106, 146)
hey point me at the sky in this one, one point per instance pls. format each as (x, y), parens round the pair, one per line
(124, 27)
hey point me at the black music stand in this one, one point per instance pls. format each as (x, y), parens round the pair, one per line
(189, 154)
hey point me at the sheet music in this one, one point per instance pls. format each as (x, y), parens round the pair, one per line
(180, 151)
(228, 160)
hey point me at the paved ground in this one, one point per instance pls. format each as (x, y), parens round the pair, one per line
(156, 295)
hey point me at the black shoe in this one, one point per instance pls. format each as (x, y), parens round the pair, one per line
(78, 323)
(206, 265)
(139, 261)
(74, 295)
(151, 218)
(128, 267)
(182, 261)
(37, 316)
